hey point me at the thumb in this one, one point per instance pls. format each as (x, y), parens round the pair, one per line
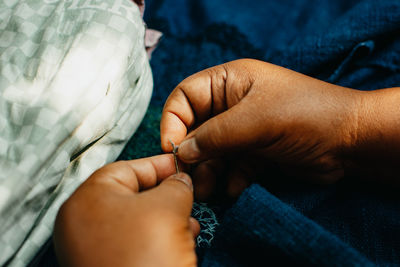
(176, 193)
(238, 128)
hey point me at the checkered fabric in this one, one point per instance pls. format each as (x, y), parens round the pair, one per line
(75, 83)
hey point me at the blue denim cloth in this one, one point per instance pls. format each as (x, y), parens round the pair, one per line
(354, 43)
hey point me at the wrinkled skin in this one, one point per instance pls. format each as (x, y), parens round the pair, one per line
(121, 217)
(232, 121)
(240, 118)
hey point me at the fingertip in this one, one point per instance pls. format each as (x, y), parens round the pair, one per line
(176, 193)
(194, 226)
(189, 151)
(183, 178)
(152, 170)
(171, 129)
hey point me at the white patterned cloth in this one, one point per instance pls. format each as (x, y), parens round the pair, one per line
(75, 83)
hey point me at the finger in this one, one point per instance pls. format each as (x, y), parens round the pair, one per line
(135, 175)
(194, 226)
(236, 129)
(175, 194)
(206, 94)
(205, 178)
(192, 101)
(150, 171)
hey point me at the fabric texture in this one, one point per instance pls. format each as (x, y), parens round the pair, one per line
(354, 43)
(312, 37)
(75, 83)
(270, 229)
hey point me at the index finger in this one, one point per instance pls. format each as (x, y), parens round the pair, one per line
(134, 175)
(194, 100)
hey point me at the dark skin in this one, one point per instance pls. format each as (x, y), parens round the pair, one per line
(130, 214)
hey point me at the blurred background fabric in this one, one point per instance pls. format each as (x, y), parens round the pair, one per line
(75, 83)
(353, 43)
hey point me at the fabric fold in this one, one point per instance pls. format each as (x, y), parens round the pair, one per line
(260, 227)
(75, 83)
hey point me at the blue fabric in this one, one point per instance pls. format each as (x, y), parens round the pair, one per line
(354, 43)
(268, 230)
(299, 224)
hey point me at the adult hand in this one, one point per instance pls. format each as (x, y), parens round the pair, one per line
(119, 217)
(254, 113)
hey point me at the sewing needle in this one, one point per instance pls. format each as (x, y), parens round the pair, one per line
(175, 151)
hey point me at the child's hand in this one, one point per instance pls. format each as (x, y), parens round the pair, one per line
(253, 113)
(111, 221)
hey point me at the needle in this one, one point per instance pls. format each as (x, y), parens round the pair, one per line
(175, 151)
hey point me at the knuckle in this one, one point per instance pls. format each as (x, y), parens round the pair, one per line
(115, 169)
(217, 140)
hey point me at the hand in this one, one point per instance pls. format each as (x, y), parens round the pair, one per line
(119, 217)
(254, 113)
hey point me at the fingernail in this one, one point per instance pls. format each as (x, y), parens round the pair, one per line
(189, 151)
(184, 178)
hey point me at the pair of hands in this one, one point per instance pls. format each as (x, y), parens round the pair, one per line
(134, 213)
